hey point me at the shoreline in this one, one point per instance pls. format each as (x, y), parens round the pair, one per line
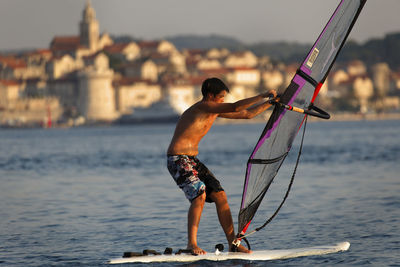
(334, 117)
(262, 118)
(360, 117)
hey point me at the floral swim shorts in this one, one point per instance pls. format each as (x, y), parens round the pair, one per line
(192, 176)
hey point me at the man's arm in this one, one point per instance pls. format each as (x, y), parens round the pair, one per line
(243, 104)
(247, 113)
(238, 106)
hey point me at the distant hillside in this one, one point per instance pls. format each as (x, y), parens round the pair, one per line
(206, 42)
(386, 49)
(124, 38)
(281, 51)
(375, 50)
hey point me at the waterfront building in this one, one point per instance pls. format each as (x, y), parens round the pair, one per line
(96, 95)
(218, 53)
(356, 68)
(247, 76)
(62, 65)
(363, 89)
(241, 59)
(16, 110)
(156, 47)
(123, 51)
(396, 80)
(339, 76)
(208, 63)
(180, 92)
(66, 89)
(272, 79)
(12, 68)
(133, 93)
(381, 78)
(9, 93)
(141, 69)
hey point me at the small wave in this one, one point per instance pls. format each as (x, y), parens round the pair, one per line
(347, 154)
(59, 161)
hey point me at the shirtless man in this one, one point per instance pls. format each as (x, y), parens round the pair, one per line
(192, 176)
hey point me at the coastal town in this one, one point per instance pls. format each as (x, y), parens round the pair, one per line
(89, 79)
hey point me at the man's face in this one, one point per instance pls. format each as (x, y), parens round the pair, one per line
(219, 98)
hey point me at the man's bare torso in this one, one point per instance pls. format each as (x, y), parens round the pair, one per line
(197, 120)
(192, 126)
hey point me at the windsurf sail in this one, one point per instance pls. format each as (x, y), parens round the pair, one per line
(280, 131)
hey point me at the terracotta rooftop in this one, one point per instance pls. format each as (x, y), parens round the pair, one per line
(243, 68)
(149, 44)
(45, 52)
(115, 48)
(130, 81)
(65, 43)
(9, 82)
(215, 72)
(196, 52)
(12, 62)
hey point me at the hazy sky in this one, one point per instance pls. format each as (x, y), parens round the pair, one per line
(33, 23)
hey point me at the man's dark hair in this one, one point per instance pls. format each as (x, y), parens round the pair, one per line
(213, 86)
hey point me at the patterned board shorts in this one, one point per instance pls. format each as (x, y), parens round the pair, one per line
(192, 176)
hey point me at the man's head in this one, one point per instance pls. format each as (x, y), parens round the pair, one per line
(213, 86)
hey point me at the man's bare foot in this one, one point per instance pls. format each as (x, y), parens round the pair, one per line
(243, 249)
(196, 250)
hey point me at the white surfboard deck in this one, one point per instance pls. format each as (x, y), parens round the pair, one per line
(258, 255)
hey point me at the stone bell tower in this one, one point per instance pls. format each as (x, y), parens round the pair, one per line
(96, 93)
(89, 28)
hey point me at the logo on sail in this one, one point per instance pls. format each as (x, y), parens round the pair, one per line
(313, 57)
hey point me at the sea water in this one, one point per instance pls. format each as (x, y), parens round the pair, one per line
(78, 197)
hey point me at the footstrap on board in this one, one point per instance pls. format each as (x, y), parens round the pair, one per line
(168, 251)
(130, 254)
(186, 251)
(145, 252)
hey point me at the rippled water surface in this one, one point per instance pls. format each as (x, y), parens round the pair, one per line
(78, 197)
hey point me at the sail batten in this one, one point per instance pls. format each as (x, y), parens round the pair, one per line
(276, 140)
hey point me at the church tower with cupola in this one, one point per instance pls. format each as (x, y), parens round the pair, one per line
(89, 28)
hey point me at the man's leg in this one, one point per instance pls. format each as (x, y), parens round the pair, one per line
(194, 215)
(225, 217)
